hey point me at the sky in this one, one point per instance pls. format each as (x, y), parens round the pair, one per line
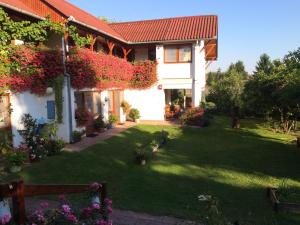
(247, 28)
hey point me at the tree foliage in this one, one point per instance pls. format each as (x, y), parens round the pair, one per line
(225, 89)
(274, 91)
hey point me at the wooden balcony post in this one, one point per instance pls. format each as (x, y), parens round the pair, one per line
(126, 52)
(111, 46)
(18, 202)
(92, 43)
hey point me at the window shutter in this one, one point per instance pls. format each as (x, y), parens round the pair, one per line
(51, 110)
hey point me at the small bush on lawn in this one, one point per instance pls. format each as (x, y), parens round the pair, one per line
(195, 117)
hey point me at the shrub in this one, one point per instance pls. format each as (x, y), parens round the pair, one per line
(112, 119)
(82, 116)
(126, 107)
(140, 156)
(195, 117)
(76, 136)
(99, 123)
(17, 158)
(33, 142)
(134, 114)
(54, 147)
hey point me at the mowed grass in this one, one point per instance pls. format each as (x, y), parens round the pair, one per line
(236, 166)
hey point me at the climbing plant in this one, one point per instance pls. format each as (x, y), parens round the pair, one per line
(29, 32)
(80, 41)
(58, 85)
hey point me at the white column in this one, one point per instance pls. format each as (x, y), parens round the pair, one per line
(160, 60)
(199, 81)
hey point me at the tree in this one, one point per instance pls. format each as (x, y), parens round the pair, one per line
(276, 93)
(226, 91)
(239, 67)
(264, 65)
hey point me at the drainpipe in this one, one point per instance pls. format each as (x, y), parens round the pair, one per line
(67, 76)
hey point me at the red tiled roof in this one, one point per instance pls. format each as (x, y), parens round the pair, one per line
(81, 16)
(171, 29)
(17, 5)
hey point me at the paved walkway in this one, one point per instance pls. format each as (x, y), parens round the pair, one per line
(90, 141)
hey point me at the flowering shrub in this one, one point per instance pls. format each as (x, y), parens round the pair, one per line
(25, 68)
(89, 69)
(94, 214)
(144, 74)
(195, 117)
(82, 117)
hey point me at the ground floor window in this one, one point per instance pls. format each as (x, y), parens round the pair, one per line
(87, 107)
(176, 101)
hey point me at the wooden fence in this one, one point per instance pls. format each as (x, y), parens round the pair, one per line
(18, 191)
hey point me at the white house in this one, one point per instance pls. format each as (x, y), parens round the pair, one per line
(183, 48)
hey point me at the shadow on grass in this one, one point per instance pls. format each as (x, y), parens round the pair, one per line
(234, 166)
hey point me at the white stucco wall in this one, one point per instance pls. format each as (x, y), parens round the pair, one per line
(36, 106)
(150, 102)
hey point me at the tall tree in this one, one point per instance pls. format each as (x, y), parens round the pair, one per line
(264, 64)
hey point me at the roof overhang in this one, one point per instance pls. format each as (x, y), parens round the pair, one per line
(21, 11)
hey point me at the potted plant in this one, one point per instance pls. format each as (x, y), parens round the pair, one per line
(99, 124)
(76, 136)
(125, 106)
(16, 160)
(82, 117)
(140, 157)
(135, 115)
(112, 120)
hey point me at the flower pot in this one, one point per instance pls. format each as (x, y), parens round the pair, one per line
(95, 200)
(4, 209)
(15, 169)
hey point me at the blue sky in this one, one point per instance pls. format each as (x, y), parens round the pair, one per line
(247, 28)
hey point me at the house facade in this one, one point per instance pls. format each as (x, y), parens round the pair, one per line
(183, 48)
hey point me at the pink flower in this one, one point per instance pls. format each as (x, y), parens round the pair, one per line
(108, 202)
(66, 208)
(71, 218)
(5, 219)
(96, 206)
(109, 210)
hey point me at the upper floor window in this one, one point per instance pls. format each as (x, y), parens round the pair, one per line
(178, 54)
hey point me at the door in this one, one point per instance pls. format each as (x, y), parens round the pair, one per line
(5, 123)
(115, 100)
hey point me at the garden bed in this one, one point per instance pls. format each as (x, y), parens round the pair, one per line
(284, 205)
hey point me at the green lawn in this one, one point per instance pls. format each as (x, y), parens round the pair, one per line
(234, 166)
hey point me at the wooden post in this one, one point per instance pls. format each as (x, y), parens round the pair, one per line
(111, 46)
(126, 52)
(18, 202)
(93, 41)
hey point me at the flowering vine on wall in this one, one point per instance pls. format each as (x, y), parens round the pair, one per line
(89, 69)
(25, 68)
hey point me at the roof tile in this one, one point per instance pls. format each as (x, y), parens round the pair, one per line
(170, 29)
